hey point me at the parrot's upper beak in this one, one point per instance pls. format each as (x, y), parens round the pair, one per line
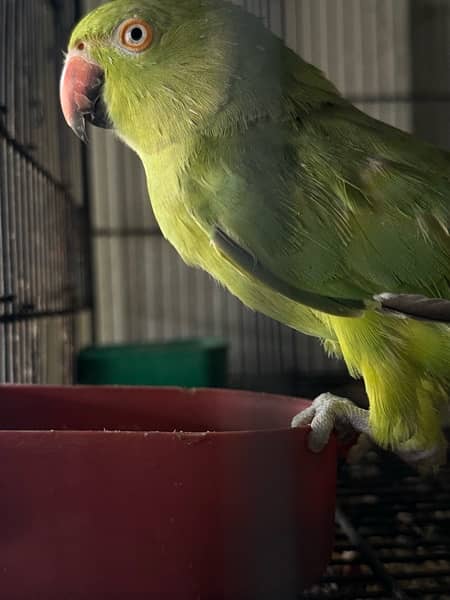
(81, 95)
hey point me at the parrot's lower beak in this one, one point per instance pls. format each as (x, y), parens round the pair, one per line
(81, 95)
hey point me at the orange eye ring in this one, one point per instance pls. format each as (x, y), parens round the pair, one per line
(135, 35)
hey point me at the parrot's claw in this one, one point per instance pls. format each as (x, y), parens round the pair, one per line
(328, 412)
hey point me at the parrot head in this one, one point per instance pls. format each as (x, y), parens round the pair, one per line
(154, 70)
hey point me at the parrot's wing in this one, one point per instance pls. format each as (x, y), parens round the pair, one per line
(339, 212)
(244, 260)
(405, 236)
(412, 305)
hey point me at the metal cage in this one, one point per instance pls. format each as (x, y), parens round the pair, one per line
(44, 266)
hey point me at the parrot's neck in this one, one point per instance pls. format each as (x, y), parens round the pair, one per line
(167, 178)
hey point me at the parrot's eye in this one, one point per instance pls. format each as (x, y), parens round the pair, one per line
(135, 35)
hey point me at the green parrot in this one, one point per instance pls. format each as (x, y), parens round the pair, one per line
(305, 208)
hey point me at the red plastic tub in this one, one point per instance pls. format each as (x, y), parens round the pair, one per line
(104, 494)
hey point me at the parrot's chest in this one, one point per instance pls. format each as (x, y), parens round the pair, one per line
(173, 205)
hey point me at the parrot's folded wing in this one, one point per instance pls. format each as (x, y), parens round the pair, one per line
(343, 307)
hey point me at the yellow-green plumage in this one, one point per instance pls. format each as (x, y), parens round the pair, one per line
(238, 134)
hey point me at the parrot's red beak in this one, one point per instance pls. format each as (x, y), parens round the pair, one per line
(81, 95)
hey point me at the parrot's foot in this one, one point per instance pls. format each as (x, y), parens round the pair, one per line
(328, 412)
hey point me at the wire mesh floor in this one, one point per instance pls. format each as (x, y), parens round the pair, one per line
(392, 534)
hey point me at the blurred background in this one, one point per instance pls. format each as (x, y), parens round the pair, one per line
(82, 260)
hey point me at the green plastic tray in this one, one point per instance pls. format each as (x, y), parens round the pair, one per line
(186, 363)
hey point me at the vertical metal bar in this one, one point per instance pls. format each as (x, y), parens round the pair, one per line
(7, 205)
(368, 553)
(430, 40)
(41, 255)
(3, 257)
(27, 36)
(20, 35)
(4, 267)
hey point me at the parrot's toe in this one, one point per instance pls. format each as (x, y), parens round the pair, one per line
(328, 412)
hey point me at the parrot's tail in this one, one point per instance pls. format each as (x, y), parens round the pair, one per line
(416, 307)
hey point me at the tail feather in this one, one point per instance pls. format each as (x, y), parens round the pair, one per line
(416, 307)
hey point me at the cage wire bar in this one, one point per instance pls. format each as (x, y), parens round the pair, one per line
(388, 57)
(392, 534)
(44, 274)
